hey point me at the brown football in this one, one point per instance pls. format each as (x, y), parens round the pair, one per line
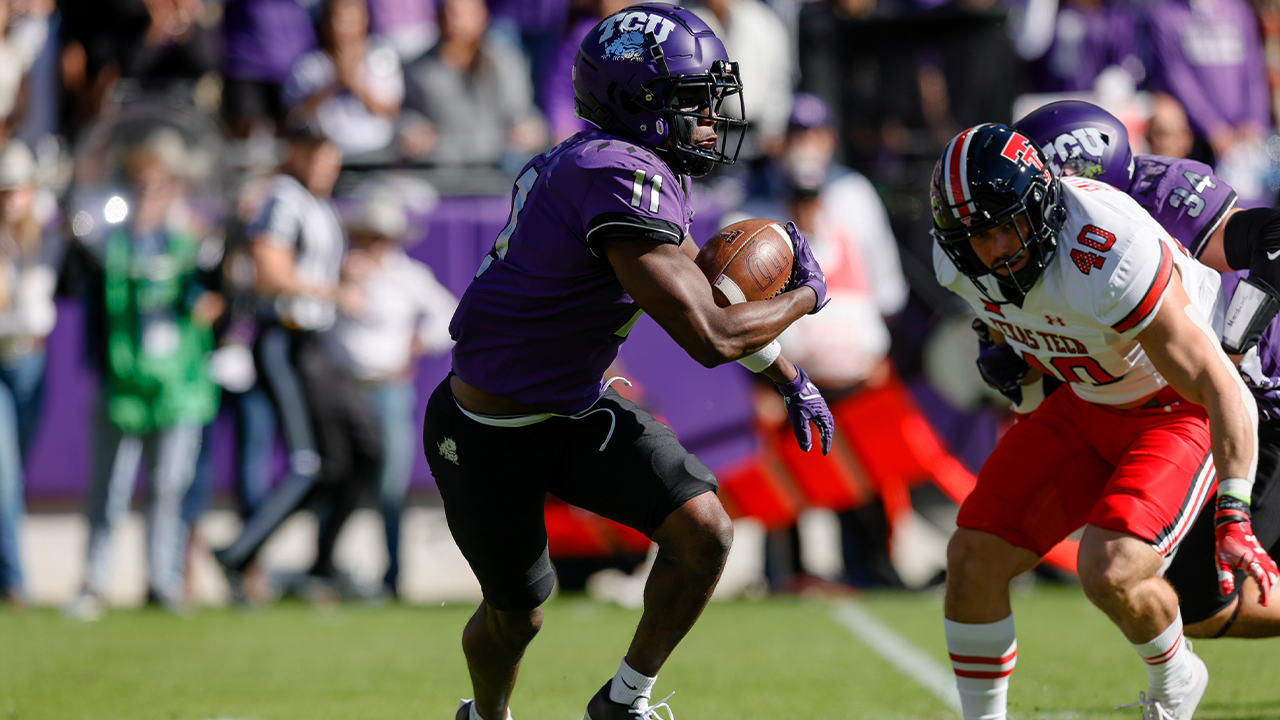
(748, 260)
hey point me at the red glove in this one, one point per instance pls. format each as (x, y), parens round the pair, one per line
(1238, 549)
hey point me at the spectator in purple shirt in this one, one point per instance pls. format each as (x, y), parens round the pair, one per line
(555, 91)
(1069, 49)
(261, 41)
(1208, 55)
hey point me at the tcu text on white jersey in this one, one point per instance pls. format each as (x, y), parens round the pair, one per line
(1103, 286)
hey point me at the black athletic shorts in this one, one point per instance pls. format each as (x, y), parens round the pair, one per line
(615, 460)
(1194, 570)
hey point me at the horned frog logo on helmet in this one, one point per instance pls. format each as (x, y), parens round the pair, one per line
(628, 46)
(1081, 166)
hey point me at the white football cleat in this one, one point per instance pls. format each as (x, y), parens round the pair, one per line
(602, 708)
(1181, 708)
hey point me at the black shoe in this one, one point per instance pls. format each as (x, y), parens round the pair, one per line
(464, 710)
(602, 708)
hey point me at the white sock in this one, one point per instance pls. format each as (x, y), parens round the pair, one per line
(982, 656)
(1168, 667)
(630, 687)
(475, 714)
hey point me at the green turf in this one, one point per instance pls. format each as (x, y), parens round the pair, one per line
(775, 659)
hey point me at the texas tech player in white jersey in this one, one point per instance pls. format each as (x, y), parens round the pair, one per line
(1081, 280)
(1101, 287)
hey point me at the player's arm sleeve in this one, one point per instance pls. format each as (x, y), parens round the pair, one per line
(1252, 242)
(640, 202)
(1135, 288)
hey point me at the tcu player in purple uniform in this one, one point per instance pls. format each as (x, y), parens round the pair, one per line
(1198, 210)
(598, 234)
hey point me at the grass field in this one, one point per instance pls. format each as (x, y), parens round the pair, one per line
(767, 660)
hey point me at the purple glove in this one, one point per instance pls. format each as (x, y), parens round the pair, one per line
(1000, 365)
(805, 405)
(805, 271)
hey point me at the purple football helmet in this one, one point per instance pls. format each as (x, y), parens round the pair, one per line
(654, 72)
(1082, 139)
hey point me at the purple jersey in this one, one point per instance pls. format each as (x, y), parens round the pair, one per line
(1184, 196)
(545, 314)
(1190, 202)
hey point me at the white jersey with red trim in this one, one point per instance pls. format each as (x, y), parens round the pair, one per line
(1103, 285)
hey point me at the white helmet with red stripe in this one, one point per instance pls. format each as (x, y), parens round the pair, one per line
(988, 175)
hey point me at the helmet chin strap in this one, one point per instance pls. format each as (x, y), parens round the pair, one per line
(655, 50)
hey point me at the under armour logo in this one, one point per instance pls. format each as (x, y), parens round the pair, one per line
(1052, 320)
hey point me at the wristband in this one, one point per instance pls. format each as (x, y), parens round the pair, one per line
(1239, 488)
(761, 359)
(1233, 502)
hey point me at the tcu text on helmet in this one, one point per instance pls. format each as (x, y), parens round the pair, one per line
(659, 25)
(1087, 139)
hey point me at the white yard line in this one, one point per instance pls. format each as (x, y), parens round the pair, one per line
(907, 658)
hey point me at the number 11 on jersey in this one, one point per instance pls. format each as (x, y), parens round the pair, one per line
(637, 190)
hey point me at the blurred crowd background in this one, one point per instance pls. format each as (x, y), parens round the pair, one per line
(232, 234)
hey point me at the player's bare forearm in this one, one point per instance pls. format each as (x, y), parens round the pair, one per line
(1214, 253)
(664, 280)
(1182, 347)
(781, 371)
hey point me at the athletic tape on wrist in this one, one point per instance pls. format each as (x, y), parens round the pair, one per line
(1238, 488)
(761, 359)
